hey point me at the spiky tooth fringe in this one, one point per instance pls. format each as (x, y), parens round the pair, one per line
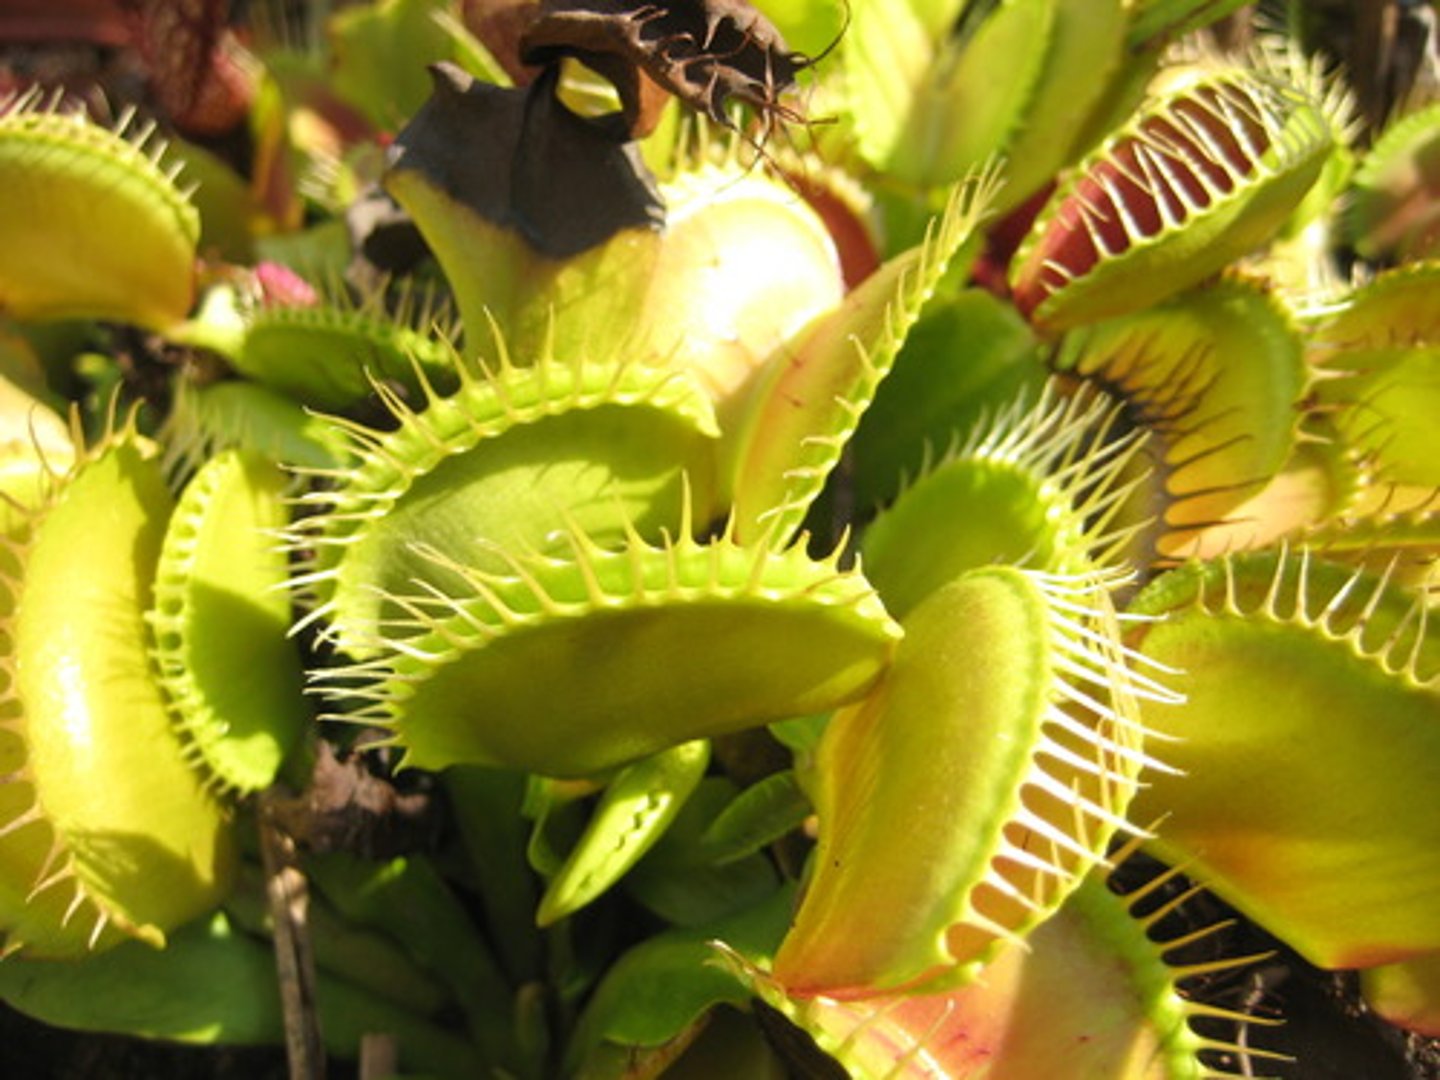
(1153, 917)
(1030, 861)
(102, 923)
(1210, 967)
(1028, 819)
(49, 874)
(76, 903)
(1102, 742)
(29, 816)
(1204, 933)
(987, 926)
(1001, 885)
(1049, 747)
(1040, 780)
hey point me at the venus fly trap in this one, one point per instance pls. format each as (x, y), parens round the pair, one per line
(800, 558)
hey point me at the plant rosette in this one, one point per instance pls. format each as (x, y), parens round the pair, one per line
(1346, 881)
(1039, 486)
(108, 829)
(570, 665)
(1217, 376)
(1207, 171)
(509, 462)
(1008, 723)
(94, 224)
(1140, 1017)
(36, 446)
(330, 351)
(219, 620)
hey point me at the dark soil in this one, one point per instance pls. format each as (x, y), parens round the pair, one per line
(33, 1051)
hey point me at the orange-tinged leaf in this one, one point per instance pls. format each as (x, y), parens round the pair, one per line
(1406, 993)
(964, 799)
(1310, 743)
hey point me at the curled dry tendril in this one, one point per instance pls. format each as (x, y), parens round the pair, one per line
(707, 53)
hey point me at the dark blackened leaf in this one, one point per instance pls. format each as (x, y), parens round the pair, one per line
(575, 183)
(521, 160)
(463, 141)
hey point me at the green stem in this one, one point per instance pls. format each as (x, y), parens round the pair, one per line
(486, 806)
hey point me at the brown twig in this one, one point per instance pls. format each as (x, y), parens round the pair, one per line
(288, 896)
(379, 1056)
